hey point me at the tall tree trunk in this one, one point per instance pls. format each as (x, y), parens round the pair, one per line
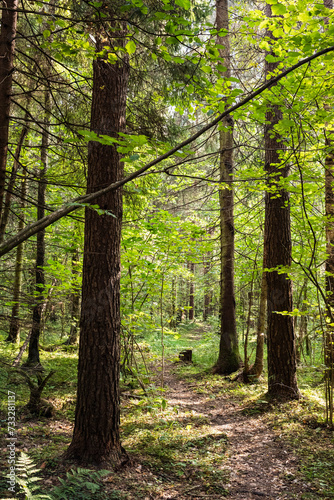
(14, 326)
(7, 46)
(96, 430)
(33, 352)
(228, 358)
(282, 378)
(329, 208)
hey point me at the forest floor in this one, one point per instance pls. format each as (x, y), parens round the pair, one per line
(201, 437)
(259, 464)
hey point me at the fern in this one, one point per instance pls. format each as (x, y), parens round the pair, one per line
(81, 483)
(27, 478)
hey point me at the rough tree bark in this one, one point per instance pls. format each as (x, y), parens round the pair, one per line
(228, 358)
(282, 379)
(7, 46)
(96, 431)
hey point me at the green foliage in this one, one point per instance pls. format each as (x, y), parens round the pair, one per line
(80, 483)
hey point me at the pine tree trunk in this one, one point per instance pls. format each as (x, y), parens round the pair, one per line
(282, 378)
(7, 46)
(96, 431)
(228, 358)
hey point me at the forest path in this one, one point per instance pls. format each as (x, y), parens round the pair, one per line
(259, 464)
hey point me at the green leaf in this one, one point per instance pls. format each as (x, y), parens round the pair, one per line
(130, 47)
(46, 33)
(184, 4)
(206, 69)
(221, 68)
(278, 9)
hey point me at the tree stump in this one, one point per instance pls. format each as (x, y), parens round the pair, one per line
(186, 356)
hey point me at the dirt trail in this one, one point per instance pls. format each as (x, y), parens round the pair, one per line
(260, 466)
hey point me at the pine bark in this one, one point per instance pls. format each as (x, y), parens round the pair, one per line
(228, 358)
(7, 46)
(96, 432)
(282, 366)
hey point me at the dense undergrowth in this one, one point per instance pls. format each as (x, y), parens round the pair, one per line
(170, 448)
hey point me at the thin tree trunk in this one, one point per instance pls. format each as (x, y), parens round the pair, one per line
(303, 335)
(207, 290)
(14, 327)
(282, 366)
(96, 431)
(257, 368)
(173, 302)
(191, 292)
(207, 282)
(12, 179)
(33, 353)
(18, 358)
(7, 46)
(75, 300)
(250, 305)
(228, 358)
(300, 322)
